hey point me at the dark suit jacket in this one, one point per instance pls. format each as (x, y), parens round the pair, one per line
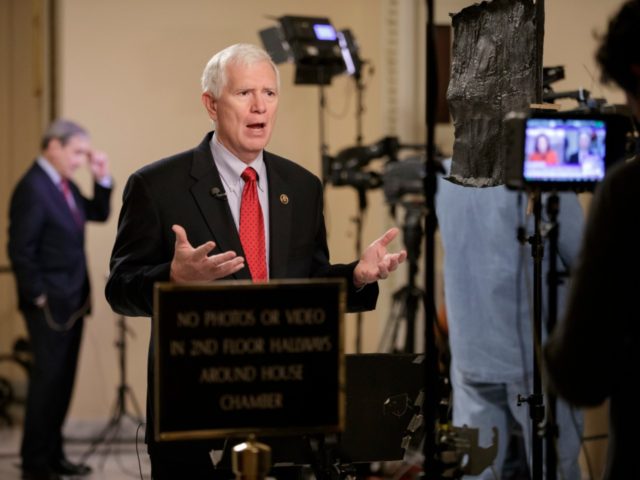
(573, 159)
(46, 245)
(177, 190)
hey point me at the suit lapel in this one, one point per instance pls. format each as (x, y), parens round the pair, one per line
(216, 211)
(279, 220)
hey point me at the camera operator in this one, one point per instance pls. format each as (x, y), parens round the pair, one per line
(594, 353)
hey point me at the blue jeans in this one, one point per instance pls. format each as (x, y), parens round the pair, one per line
(485, 405)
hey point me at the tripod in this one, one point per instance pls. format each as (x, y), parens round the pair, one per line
(407, 298)
(543, 429)
(110, 432)
(554, 279)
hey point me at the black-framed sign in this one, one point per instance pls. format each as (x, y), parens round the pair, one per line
(237, 357)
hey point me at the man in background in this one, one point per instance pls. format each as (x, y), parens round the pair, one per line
(47, 219)
(584, 154)
(228, 209)
(594, 353)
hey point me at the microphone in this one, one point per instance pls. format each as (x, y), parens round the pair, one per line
(217, 193)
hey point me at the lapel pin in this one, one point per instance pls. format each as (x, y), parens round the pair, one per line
(217, 193)
(284, 199)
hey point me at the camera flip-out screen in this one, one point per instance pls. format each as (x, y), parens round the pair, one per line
(564, 150)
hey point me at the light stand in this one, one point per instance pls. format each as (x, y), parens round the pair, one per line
(362, 196)
(361, 189)
(359, 221)
(324, 149)
(119, 411)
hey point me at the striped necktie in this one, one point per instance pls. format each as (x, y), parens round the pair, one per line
(68, 196)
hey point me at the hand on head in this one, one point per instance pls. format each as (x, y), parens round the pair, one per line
(376, 262)
(99, 164)
(194, 264)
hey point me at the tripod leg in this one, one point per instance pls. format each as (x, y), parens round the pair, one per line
(397, 315)
(138, 417)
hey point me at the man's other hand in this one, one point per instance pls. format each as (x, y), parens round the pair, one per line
(194, 264)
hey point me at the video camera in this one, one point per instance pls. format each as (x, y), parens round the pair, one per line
(347, 167)
(569, 150)
(401, 179)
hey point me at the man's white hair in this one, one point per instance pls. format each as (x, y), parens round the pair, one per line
(214, 77)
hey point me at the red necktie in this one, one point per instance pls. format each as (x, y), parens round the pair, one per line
(68, 196)
(252, 226)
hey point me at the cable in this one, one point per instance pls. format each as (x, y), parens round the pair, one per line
(345, 107)
(71, 321)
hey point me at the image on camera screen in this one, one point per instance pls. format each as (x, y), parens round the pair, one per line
(564, 150)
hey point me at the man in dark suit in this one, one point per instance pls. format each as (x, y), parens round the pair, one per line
(46, 248)
(583, 155)
(198, 198)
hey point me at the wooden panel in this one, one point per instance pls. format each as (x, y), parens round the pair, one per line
(22, 85)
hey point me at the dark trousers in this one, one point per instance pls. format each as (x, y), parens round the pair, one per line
(51, 379)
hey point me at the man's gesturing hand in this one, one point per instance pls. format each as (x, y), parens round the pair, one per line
(194, 264)
(376, 263)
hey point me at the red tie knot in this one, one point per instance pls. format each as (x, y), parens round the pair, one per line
(249, 175)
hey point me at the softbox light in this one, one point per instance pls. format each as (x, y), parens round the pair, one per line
(312, 43)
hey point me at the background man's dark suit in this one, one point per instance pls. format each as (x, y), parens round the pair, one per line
(46, 248)
(181, 190)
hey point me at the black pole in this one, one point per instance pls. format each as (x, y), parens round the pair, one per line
(324, 156)
(553, 280)
(359, 106)
(412, 233)
(362, 197)
(537, 401)
(431, 384)
(536, 405)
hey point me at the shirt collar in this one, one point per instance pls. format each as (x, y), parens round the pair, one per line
(49, 170)
(231, 167)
